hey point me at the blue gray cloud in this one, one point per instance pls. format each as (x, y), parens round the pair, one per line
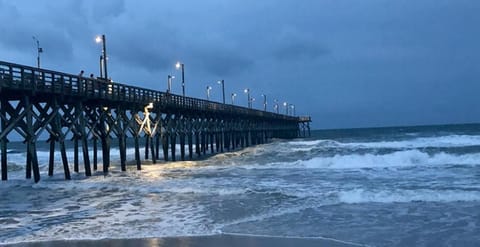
(347, 63)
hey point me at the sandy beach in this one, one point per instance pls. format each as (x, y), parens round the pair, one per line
(197, 241)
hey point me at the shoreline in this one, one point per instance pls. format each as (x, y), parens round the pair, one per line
(231, 240)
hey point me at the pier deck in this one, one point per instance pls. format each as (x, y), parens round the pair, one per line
(35, 103)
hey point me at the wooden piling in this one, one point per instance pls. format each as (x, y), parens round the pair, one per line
(152, 148)
(75, 153)
(165, 146)
(51, 157)
(95, 153)
(197, 143)
(4, 157)
(63, 154)
(3, 140)
(190, 144)
(147, 144)
(137, 153)
(105, 152)
(173, 138)
(182, 146)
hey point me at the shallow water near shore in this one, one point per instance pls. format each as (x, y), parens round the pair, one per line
(378, 187)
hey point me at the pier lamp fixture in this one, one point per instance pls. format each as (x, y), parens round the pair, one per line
(233, 98)
(39, 50)
(179, 65)
(102, 39)
(275, 107)
(249, 102)
(208, 92)
(293, 109)
(169, 83)
(222, 82)
(264, 102)
(286, 107)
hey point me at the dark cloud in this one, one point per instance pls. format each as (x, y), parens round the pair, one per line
(226, 63)
(106, 9)
(292, 50)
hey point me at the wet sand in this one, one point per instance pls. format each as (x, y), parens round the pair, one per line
(196, 241)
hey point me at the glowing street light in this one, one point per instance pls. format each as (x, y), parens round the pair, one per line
(247, 91)
(179, 65)
(233, 98)
(169, 83)
(39, 50)
(208, 92)
(222, 82)
(286, 107)
(293, 109)
(102, 39)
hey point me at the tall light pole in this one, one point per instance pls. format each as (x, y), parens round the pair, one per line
(233, 98)
(222, 82)
(264, 102)
(39, 50)
(286, 107)
(293, 109)
(178, 66)
(208, 92)
(275, 107)
(169, 83)
(101, 66)
(247, 91)
(102, 39)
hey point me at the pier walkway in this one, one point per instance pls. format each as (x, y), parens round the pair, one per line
(38, 103)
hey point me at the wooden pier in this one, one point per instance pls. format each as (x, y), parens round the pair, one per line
(38, 103)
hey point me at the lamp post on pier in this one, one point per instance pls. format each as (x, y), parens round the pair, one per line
(293, 109)
(286, 107)
(275, 107)
(39, 50)
(182, 66)
(102, 39)
(264, 102)
(222, 82)
(249, 103)
(208, 92)
(233, 98)
(169, 83)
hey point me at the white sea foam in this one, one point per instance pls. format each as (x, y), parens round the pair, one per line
(406, 158)
(390, 196)
(421, 142)
(396, 159)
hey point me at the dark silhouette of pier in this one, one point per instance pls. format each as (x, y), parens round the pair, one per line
(37, 102)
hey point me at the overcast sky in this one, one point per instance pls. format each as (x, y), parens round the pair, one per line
(347, 63)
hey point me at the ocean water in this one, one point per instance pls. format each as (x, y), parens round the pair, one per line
(411, 186)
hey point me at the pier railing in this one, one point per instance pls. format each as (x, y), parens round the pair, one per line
(20, 78)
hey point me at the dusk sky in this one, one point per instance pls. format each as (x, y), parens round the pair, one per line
(346, 63)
